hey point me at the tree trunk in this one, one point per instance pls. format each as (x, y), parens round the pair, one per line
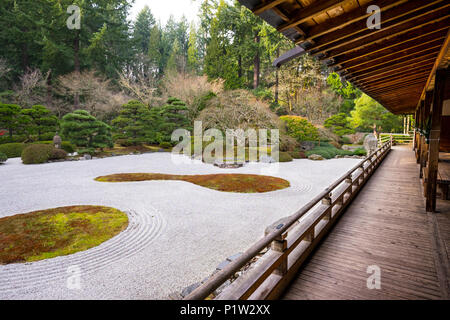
(256, 66)
(76, 50)
(49, 90)
(277, 78)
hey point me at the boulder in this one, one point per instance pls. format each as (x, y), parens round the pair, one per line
(87, 157)
(316, 157)
(307, 145)
(370, 143)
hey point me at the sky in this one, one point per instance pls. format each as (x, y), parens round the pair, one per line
(162, 9)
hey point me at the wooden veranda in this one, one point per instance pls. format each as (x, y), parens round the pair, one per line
(397, 52)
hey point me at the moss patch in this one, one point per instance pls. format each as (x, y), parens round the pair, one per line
(243, 183)
(56, 232)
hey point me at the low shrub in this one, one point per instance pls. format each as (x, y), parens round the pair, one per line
(124, 142)
(89, 151)
(3, 157)
(297, 154)
(360, 152)
(12, 150)
(65, 145)
(346, 140)
(328, 151)
(15, 138)
(36, 153)
(285, 157)
(57, 154)
(288, 143)
(165, 145)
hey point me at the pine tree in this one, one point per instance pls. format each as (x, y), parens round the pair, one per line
(137, 123)
(193, 54)
(12, 119)
(84, 130)
(42, 121)
(174, 116)
(143, 28)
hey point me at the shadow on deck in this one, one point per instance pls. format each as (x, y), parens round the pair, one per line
(386, 225)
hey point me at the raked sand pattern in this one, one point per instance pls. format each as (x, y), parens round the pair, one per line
(178, 232)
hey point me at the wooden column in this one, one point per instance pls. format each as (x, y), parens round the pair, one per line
(435, 134)
(423, 143)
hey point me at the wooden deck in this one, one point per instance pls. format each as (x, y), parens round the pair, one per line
(387, 226)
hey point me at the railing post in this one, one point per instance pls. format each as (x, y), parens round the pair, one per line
(280, 245)
(327, 202)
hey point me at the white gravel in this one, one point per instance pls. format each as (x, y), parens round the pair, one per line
(179, 232)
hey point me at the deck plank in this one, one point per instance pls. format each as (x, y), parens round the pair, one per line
(386, 225)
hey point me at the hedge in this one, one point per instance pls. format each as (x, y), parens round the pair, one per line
(3, 157)
(12, 150)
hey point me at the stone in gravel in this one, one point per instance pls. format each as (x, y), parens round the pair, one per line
(87, 157)
(175, 296)
(316, 157)
(267, 159)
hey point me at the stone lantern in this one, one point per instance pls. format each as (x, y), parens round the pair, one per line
(57, 141)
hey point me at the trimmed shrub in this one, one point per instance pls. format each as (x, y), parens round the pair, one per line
(36, 153)
(3, 157)
(65, 145)
(12, 150)
(299, 128)
(57, 154)
(285, 157)
(124, 142)
(288, 143)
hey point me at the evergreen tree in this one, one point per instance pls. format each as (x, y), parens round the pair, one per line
(193, 65)
(155, 51)
(84, 130)
(12, 119)
(142, 29)
(136, 123)
(174, 116)
(42, 121)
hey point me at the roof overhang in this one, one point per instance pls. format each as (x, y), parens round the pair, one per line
(394, 64)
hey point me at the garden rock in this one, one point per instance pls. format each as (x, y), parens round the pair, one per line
(316, 157)
(307, 145)
(370, 143)
(87, 157)
(267, 159)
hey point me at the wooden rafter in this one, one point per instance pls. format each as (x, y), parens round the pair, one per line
(349, 18)
(307, 13)
(388, 31)
(267, 5)
(407, 40)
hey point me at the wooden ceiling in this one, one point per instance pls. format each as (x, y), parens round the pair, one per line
(392, 64)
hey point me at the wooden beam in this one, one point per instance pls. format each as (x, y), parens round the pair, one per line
(387, 66)
(398, 75)
(394, 58)
(288, 56)
(312, 10)
(351, 42)
(435, 134)
(408, 40)
(444, 49)
(266, 6)
(375, 75)
(348, 18)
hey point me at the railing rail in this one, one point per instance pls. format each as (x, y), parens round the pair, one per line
(291, 240)
(397, 138)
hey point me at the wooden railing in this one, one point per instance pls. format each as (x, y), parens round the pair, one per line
(397, 138)
(291, 240)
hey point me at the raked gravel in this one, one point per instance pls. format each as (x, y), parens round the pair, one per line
(178, 232)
